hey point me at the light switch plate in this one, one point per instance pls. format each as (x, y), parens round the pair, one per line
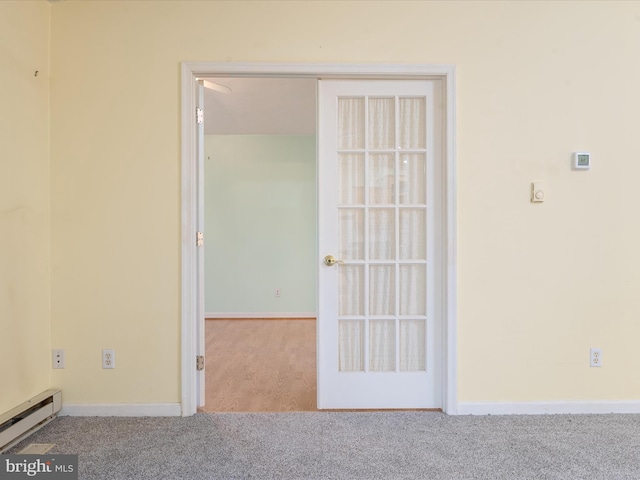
(537, 192)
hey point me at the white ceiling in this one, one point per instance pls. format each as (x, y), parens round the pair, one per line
(261, 106)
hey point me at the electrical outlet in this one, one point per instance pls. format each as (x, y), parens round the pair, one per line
(596, 357)
(277, 292)
(108, 358)
(58, 358)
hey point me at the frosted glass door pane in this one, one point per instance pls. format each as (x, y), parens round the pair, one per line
(382, 178)
(351, 233)
(413, 280)
(350, 290)
(412, 345)
(413, 233)
(412, 178)
(350, 123)
(382, 345)
(382, 123)
(351, 345)
(351, 178)
(382, 235)
(382, 290)
(413, 122)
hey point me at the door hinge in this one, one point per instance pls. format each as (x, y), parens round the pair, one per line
(199, 115)
(200, 362)
(199, 239)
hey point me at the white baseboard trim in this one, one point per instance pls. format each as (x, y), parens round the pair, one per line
(546, 408)
(261, 315)
(121, 410)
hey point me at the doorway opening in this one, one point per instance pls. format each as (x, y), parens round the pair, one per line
(192, 338)
(260, 249)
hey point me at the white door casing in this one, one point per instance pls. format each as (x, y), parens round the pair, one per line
(192, 389)
(378, 318)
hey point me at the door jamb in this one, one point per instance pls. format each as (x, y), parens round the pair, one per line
(190, 71)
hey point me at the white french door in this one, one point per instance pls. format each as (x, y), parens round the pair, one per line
(378, 338)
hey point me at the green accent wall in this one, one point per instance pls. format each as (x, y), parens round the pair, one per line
(260, 223)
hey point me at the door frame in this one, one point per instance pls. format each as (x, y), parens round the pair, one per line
(190, 72)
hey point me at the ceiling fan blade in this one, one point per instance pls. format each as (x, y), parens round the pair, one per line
(216, 86)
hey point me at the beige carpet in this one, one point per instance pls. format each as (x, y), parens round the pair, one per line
(260, 365)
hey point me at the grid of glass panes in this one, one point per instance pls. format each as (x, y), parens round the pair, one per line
(382, 231)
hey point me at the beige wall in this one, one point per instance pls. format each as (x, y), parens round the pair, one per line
(25, 259)
(538, 284)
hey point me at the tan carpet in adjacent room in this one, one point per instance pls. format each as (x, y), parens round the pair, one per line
(260, 365)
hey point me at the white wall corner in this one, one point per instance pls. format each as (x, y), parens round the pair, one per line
(547, 408)
(121, 410)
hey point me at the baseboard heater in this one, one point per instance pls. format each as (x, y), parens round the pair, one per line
(28, 417)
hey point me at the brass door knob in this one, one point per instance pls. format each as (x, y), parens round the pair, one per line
(330, 261)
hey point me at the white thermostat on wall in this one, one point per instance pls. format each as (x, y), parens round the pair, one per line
(581, 160)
